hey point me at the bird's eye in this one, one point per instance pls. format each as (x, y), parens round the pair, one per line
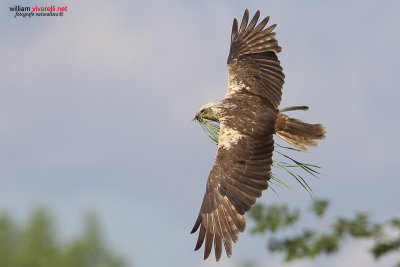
(203, 111)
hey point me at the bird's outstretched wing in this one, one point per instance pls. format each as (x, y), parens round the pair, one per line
(240, 173)
(252, 63)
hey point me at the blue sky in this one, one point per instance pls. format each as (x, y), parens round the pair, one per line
(96, 109)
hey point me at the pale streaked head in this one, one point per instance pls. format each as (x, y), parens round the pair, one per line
(209, 111)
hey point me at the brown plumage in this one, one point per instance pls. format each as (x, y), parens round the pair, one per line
(248, 117)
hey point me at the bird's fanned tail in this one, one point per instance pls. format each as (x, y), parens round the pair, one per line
(298, 133)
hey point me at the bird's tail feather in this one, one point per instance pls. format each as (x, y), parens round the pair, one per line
(298, 133)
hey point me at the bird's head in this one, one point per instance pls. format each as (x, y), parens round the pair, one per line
(209, 111)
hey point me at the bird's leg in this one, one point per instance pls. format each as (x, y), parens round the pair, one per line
(293, 108)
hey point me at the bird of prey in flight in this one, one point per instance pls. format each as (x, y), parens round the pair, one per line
(249, 117)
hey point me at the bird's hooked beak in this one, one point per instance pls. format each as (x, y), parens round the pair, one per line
(196, 117)
(201, 116)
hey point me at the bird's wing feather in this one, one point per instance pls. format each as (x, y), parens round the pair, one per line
(240, 173)
(253, 64)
